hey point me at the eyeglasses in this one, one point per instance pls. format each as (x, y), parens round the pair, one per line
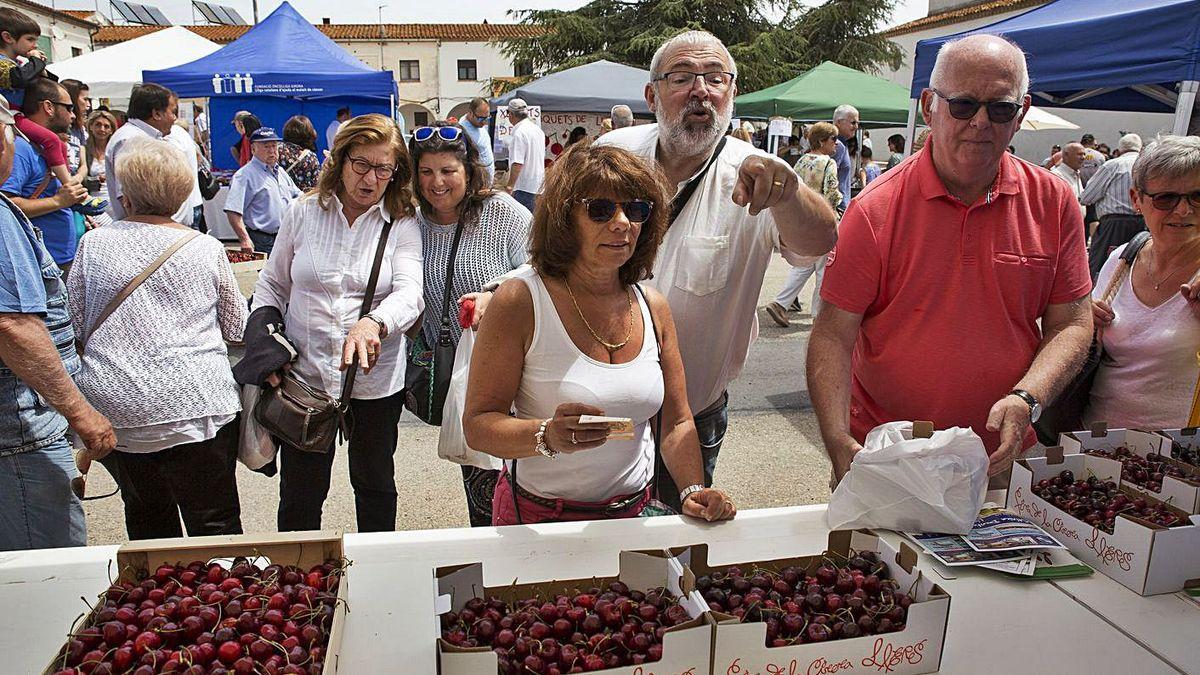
(361, 167)
(962, 108)
(603, 210)
(79, 483)
(679, 80)
(1167, 201)
(69, 106)
(422, 134)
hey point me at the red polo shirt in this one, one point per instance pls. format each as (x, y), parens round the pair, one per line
(951, 294)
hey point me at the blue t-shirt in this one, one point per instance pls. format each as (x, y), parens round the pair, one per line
(482, 140)
(22, 289)
(58, 227)
(841, 156)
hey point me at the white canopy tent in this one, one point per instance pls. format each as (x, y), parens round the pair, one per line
(112, 71)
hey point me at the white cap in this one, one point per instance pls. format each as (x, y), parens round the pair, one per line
(518, 105)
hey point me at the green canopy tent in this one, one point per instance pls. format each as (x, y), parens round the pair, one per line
(812, 97)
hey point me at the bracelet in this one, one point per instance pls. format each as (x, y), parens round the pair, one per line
(540, 441)
(689, 490)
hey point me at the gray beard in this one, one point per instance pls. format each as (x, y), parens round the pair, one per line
(691, 139)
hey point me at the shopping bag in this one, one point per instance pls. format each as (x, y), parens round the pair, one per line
(256, 448)
(452, 442)
(912, 484)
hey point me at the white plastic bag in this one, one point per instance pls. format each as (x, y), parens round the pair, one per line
(452, 442)
(256, 448)
(907, 484)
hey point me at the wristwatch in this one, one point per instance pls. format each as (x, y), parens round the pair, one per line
(683, 495)
(383, 330)
(540, 441)
(1035, 406)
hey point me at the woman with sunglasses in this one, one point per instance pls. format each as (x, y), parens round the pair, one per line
(452, 190)
(312, 289)
(576, 335)
(1151, 331)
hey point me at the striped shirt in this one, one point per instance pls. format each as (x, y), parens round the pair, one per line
(1109, 188)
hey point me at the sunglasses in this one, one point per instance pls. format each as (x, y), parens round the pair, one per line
(603, 210)
(422, 134)
(79, 483)
(961, 108)
(1167, 201)
(69, 106)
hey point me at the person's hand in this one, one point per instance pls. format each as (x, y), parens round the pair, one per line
(102, 178)
(508, 189)
(1191, 292)
(89, 223)
(246, 245)
(1009, 416)
(709, 504)
(481, 301)
(362, 341)
(37, 54)
(276, 377)
(71, 194)
(842, 455)
(1102, 313)
(764, 182)
(566, 434)
(96, 432)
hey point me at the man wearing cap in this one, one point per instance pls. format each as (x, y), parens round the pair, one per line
(526, 155)
(259, 193)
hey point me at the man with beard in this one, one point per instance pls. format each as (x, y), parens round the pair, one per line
(715, 252)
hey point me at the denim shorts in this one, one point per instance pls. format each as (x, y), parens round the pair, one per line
(37, 507)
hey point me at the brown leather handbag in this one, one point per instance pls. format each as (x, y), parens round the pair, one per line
(305, 417)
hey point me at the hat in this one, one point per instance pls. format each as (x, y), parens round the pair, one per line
(264, 134)
(6, 116)
(518, 105)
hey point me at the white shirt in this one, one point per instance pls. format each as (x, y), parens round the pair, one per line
(180, 138)
(1148, 375)
(1070, 177)
(135, 128)
(710, 267)
(528, 148)
(331, 132)
(200, 127)
(317, 276)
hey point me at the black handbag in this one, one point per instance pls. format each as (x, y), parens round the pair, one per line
(427, 377)
(209, 187)
(1065, 414)
(305, 417)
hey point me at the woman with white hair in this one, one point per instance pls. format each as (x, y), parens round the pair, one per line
(1150, 328)
(153, 304)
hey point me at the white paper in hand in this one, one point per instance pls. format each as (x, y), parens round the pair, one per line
(897, 482)
(619, 428)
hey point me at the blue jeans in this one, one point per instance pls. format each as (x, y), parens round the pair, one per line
(263, 241)
(711, 425)
(527, 199)
(37, 507)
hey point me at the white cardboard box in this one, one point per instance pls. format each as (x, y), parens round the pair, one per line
(1188, 437)
(1145, 558)
(1184, 494)
(740, 648)
(687, 647)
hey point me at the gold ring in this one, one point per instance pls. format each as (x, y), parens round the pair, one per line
(573, 439)
(778, 183)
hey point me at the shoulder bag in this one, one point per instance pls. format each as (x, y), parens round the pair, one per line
(427, 378)
(308, 418)
(1065, 414)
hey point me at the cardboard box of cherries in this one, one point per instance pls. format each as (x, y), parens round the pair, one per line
(1147, 464)
(216, 605)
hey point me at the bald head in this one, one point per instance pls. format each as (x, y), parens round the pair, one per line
(1073, 155)
(980, 56)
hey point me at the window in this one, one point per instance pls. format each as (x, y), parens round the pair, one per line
(43, 43)
(410, 71)
(467, 70)
(76, 51)
(420, 119)
(523, 69)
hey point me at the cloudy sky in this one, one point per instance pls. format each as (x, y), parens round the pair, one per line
(400, 11)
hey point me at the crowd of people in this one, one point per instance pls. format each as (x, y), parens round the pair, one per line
(620, 282)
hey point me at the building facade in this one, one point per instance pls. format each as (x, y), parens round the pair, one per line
(64, 34)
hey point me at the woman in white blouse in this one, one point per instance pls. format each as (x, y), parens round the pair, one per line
(1151, 332)
(316, 278)
(157, 366)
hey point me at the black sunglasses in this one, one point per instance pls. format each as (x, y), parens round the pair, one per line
(1167, 201)
(961, 108)
(603, 210)
(68, 106)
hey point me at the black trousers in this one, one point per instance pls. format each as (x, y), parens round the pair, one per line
(1114, 230)
(195, 480)
(304, 476)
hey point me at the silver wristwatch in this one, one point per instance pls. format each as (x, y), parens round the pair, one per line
(683, 495)
(540, 441)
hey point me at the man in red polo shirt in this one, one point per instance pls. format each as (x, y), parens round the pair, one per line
(943, 269)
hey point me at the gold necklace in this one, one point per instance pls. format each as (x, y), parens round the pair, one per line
(1172, 273)
(609, 346)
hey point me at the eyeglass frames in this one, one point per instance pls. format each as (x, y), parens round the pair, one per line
(679, 80)
(1167, 201)
(603, 210)
(963, 108)
(361, 167)
(422, 134)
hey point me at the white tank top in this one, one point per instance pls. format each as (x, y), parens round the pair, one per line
(556, 372)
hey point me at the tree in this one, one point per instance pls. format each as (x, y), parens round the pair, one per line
(771, 40)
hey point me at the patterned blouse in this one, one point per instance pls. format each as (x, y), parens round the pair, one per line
(819, 172)
(301, 164)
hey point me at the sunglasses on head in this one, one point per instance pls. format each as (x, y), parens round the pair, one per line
(603, 210)
(1167, 201)
(962, 108)
(422, 134)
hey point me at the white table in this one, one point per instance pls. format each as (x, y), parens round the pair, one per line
(996, 624)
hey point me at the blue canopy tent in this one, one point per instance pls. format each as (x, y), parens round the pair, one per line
(282, 67)
(1153, 67)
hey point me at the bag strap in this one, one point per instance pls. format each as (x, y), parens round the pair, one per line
(656, 425)
(305, 152)
(1125, 264)
(368, 298)
(113, 304)
(444, 329)
(42, 186)
(685, 194)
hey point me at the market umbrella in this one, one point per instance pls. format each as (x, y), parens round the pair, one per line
(815, 94)
(1040, 120)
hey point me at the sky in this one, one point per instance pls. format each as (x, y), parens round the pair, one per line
(401, 11)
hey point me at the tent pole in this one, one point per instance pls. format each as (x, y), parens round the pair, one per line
(1184, 106)
(911, 127)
